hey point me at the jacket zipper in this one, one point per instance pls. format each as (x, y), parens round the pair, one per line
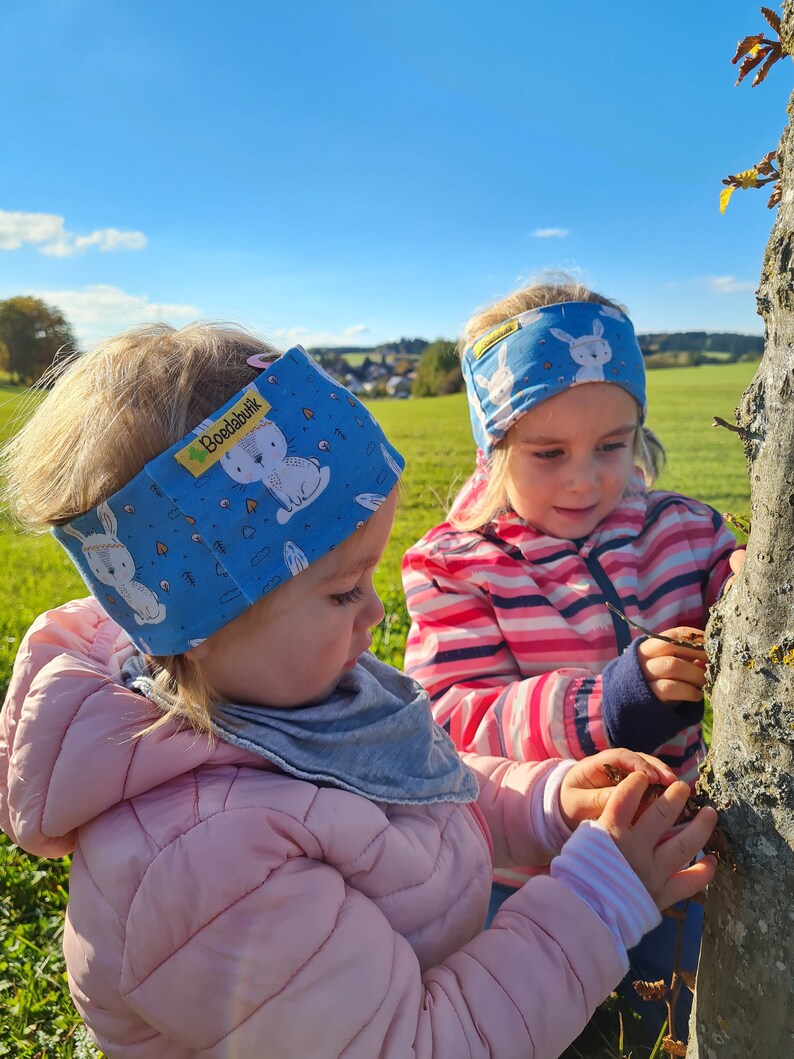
(601, 578)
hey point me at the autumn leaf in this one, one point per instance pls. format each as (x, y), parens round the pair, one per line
(765, 166)
(749, 44)
(754, 58)
(774, 54)
(725, 197)
(759, 50)
(674, 1047)
(763, 172)
(651, 990)
(772, 18)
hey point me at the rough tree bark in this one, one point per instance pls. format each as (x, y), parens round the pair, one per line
(744, 1000)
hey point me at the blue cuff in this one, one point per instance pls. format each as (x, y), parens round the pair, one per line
(633, 716)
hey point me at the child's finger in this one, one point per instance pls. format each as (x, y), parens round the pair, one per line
(672, 667)
(624, 802)
(687, 882)
(675, 691)
(632, 761)
(665, 774)
(686, 842)
(661, 816)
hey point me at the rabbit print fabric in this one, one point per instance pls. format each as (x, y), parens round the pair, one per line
(541, 353)
(281, 474)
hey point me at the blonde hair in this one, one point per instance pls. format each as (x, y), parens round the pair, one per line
(105, 415)
(556, 288)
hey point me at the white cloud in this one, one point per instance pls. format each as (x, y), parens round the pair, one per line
(728, 284)
(550, 233)
(101, 310)
(356, 329)
(48, 233)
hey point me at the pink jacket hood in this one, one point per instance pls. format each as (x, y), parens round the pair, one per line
(78, 753)
(219, 908)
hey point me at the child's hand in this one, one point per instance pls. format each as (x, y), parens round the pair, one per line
(586, 788)
(660, 863)
(674, 674)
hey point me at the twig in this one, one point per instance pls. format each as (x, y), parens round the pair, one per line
(655, 635)
(720, 422)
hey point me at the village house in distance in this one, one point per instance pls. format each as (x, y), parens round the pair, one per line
(413, 367)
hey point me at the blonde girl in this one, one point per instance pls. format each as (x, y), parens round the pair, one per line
(518, 598)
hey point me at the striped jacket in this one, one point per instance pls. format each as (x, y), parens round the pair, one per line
(511, 636)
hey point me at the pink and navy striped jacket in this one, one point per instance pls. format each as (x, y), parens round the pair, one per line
(513, 640)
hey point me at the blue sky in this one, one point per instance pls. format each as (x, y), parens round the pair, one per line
(357, 171)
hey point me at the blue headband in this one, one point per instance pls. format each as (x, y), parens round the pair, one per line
(285, 471)
(542, 352)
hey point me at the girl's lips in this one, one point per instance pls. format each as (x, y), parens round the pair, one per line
(351, 662)
(576, 512)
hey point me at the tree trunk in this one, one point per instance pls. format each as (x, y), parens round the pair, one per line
(744, 999)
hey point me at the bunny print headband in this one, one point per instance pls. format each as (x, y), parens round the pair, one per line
(285, 471)
(541, 353)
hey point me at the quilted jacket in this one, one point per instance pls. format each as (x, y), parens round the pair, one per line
(221, 908)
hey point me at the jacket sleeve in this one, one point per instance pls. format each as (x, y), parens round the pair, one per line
(521, 805)
(455, 649)
(299, 963)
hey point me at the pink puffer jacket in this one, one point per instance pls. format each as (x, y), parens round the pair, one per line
(220, 908)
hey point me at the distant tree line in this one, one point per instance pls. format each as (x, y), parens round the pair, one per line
(686, 348)
(32, 334)
(403, 347)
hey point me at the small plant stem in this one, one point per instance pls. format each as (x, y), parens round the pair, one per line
(655, 635)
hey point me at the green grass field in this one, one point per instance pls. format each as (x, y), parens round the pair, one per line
(36, 1016)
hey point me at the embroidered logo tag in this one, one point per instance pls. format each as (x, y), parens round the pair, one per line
(483, 344)
(215, 438)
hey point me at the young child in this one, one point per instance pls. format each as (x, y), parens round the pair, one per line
(274, 846)
(511, 634)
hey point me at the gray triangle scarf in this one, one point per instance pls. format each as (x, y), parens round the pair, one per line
(374, 736)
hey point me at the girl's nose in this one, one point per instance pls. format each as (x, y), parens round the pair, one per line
(373, 612)
(583, 476)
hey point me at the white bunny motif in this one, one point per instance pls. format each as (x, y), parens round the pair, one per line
(590, 351)
(295, 558)
(500, 383)
(261, 456)
(112, 564)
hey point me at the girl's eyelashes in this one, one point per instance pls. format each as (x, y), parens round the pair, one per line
(353, 595)
(553, 454)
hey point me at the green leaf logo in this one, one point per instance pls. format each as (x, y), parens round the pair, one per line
(199, 455)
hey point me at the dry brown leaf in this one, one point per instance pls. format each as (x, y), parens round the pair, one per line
(775, 53)
(674, 1047)
(651, 990)
(772, 18)
(750, 61)
(746, 45)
